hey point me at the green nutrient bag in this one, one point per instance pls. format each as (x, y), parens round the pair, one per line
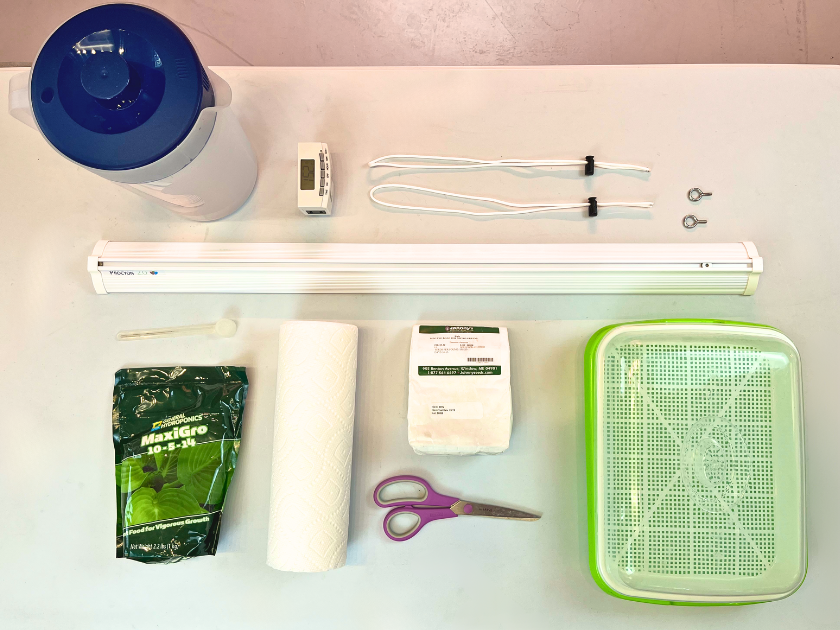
(176, 440)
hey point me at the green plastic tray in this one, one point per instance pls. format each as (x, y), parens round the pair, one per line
(695, 464)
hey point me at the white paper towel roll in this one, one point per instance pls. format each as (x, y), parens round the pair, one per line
(313, 446)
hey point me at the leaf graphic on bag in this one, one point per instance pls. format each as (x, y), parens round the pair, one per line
(166, 465)
(201, 469)
(166, 472)
(131, 473)
(146, 505)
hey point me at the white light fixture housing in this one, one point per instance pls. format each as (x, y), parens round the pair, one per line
(683, 268)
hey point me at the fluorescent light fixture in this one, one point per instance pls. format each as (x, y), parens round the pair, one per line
(684, 268)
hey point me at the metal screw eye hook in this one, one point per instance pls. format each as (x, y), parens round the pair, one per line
(691, 222)
(695, 194)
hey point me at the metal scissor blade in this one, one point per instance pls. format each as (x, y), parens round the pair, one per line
(470, 508)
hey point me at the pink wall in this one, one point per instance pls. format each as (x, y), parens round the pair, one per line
(480, 32)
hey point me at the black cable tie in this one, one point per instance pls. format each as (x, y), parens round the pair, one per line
(589, 169)
(593, 207)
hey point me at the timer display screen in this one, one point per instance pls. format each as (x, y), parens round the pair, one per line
(307, 174)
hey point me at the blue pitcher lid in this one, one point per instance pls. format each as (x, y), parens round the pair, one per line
(118, 87)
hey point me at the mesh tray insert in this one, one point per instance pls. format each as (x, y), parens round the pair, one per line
(688, 459)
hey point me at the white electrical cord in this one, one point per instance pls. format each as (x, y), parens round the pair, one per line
(525, 208)
(459, 163)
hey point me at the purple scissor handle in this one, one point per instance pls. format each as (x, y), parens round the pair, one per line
(432, 506)
(427, 508)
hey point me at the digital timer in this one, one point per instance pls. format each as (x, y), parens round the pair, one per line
(314, 179)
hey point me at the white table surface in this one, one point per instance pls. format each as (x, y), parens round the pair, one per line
(764, 140)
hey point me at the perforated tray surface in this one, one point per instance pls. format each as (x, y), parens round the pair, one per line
(690, 468)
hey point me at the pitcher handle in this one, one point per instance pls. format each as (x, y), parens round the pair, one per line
(20, 106)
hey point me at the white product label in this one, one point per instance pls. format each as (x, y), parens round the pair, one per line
(457, 411)
(458, 346)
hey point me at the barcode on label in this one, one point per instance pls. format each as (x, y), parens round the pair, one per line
(479, 359)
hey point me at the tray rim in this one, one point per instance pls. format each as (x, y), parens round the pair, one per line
(592, 356)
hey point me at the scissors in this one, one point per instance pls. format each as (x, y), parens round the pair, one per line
(431, 506)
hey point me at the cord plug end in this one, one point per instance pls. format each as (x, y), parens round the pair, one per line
(593, 207)
(589, 169)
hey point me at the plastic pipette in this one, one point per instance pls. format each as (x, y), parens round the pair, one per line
(222, 328)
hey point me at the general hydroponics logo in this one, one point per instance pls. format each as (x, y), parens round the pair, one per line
(181, 418)
(459, 329)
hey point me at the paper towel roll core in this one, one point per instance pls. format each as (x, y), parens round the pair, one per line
(313, 445)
